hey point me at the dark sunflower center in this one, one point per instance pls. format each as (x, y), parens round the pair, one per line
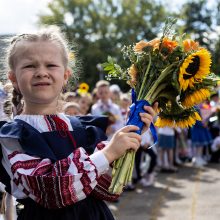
(192, 68)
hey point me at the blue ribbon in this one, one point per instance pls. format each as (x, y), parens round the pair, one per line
(134, 119)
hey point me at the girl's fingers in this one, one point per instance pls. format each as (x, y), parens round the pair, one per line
(133, 135)
(150, 110)
(135, 141)
(155, 106)
(129, 128)
(146, 117)
(134, 144)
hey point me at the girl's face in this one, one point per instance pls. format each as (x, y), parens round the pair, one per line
(39, 72)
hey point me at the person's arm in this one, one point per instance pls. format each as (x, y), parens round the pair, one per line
(58, 184)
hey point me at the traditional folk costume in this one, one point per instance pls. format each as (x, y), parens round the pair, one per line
(49, 165)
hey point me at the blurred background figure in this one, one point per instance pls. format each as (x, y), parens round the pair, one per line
(105, 106)
(147, 176)
(215, 147)
(71, 97)
(201, 136)
(5, 102)
(115, 93)
(166, 145)
(125, 102)
(95, 97)
(85, 102)
(71, 108)
(3, 97)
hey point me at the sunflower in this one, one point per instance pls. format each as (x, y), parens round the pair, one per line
(163, 122)
(83, 88)
(183, 121)
(196, 97)
(194, 68)
(188, 121)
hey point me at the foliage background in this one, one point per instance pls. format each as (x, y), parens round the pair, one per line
(100, 28)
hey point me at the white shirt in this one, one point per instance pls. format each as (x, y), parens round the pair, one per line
(216, 144)
(100, 108)
(166, 131)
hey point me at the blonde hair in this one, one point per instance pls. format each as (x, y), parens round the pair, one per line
(71, 105)
(49, 34)
(69, 95)
(102, 83)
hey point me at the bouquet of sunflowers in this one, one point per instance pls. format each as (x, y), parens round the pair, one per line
(171, 70)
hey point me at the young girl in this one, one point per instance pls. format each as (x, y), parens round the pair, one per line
(53, 164)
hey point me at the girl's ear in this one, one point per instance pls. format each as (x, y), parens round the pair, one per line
(13, 79)
(67, 75)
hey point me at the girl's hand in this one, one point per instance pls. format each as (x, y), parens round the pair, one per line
(148, 117)
(124, 139)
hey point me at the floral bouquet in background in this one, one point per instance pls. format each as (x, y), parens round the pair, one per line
(171, 70)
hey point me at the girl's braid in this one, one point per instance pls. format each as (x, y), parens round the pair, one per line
(16, 100)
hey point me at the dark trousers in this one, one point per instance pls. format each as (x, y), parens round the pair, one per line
(153, 161)
(215, 156)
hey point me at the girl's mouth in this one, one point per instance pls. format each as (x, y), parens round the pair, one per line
(41, 84)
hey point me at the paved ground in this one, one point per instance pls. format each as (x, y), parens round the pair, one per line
(190, 194)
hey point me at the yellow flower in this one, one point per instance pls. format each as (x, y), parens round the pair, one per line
(196, 97)
(194, 68)
(133, 74)
(190, 121)
(83, 88)
(163, 122)
(183, 122)
(71, 56)
(190, 45)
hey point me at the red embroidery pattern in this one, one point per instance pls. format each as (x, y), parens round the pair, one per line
(54, 185)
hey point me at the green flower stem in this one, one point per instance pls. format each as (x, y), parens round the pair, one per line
(131, 167)
(156, 93)
(162, 77)
(121, 174)
(145, 78)
(117, 166)
(120, 177)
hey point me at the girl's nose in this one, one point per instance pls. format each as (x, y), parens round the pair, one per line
(41, 72)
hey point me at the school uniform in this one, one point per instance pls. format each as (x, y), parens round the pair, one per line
(49, 165)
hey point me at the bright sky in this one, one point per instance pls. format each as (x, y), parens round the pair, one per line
(19, 16)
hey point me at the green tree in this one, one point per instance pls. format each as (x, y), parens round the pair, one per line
(198, 21)
(101, 28)
(216, 53)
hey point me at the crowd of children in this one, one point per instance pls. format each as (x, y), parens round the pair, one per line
(39, 117)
